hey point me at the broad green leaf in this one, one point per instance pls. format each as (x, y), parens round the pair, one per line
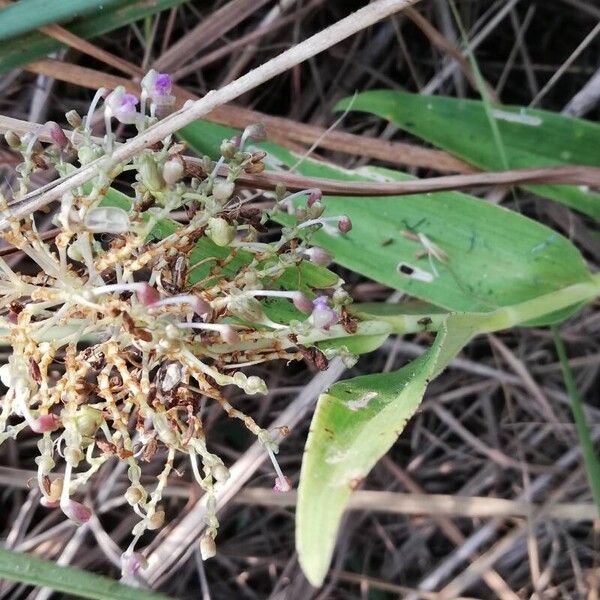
(25, 568)
(530, 137)
(27, 15)
(495, 257)
(355, 423)
(35, 45)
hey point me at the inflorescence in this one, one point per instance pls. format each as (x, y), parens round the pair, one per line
(124, 332)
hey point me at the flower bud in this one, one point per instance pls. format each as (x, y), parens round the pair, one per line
(208, 548)
(318, 256)
(220, 231)
(229, 335)
(302, 303)
(173, 171)
(57, 134)
(344, 224)
(13, 140)
(255, 132)
(282, 485)
(223, 189)
(73, 119)
(220, 472)
(255, 385)
(45, 423)
(77, 512)
(323, 317)
(314, 197)
(6, 375)
(147, 295)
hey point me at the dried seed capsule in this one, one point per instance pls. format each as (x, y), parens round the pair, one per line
(157, 520)
(208, 548)
(13, 140)
(73, 119)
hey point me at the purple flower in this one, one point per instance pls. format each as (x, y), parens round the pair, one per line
(157, 87)
(122, 106)
(131, 563)
(323, 316)
(163, 84)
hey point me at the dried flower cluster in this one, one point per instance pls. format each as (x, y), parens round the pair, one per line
(145, 306)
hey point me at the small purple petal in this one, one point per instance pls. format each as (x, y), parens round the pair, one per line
(163, 84)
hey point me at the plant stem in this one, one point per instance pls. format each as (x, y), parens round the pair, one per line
(509, 316)
(590, 458)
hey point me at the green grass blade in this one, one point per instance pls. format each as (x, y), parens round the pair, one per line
(35, 45)
(590, 458)
(27, 15)
(25, 568)
(495, 257)
(530, 137)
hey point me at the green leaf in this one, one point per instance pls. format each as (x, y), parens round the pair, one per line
(27, 15)
(530, 137)
(355, 423)
(35, 45)
(496, 257)
(69, 580)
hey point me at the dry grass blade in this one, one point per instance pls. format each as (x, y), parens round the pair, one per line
(207, 31)
(432, 504)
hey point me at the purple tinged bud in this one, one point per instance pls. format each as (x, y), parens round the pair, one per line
(229, 335)
(131, 563)
(282, 485)
(323, 316)
(314, 196)
(57, 134)
(158, 86)
(256, 132)
(201, 307)
(303, 303)
(45, 423)
(318, 256)
(77, 512)
(236, 141)
(344, 224)
(147, 295)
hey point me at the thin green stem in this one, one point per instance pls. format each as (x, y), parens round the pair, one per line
(590, 458)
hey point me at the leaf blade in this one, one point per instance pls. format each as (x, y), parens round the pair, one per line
(28, 569)
(531, 137)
